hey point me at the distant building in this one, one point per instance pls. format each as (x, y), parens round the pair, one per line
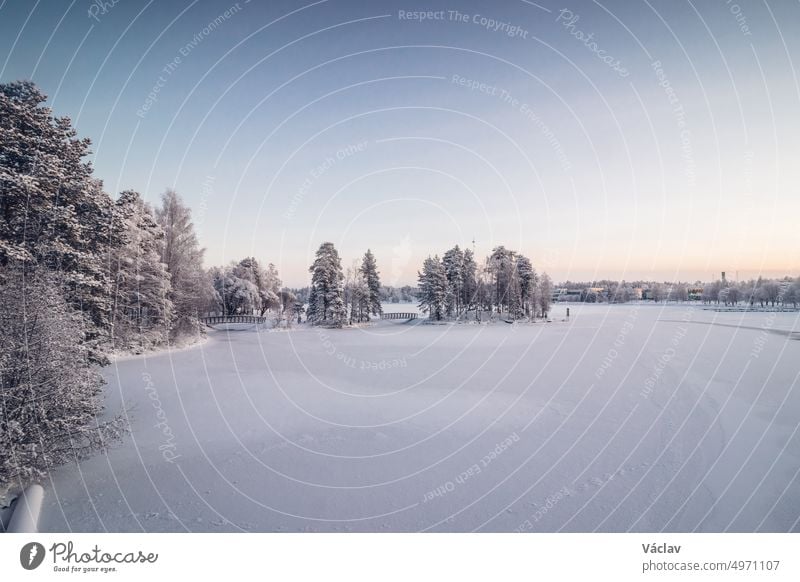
(565, 294)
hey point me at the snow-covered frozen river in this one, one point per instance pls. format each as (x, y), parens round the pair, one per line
(642, 418)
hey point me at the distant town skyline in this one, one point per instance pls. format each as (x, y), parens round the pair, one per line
(604, 141)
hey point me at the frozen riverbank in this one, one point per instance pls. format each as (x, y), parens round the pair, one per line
(627, 417)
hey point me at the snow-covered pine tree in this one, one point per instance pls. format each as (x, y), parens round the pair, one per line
(516, 309)
(526, 275)
(483, 289)
(181, 253)
(313, 310)
(326, 301)
(433, 288)
(349, 296)
(50, 388)
(469, 287)
(52, 213)
(453, 262)
(141, 311)
(501, 266)
(369, 269)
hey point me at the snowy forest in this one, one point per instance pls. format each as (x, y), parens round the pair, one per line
(84, 275)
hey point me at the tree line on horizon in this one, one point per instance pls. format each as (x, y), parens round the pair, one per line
(764, 292)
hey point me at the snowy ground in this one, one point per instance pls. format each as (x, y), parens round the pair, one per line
(640, 418)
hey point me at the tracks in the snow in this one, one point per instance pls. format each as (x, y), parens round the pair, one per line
(795, 335)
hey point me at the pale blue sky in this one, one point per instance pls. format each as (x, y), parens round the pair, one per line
(289, 123)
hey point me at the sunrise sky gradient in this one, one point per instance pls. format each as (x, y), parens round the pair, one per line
(287, 124)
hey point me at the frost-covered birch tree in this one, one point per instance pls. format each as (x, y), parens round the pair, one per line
(141, 310)
(369, 271)
(526, 276)
(453, 263)
(433, 288)
(544, 295)
(236, 295)
(357, 295)
(181, 253)
(469, 288)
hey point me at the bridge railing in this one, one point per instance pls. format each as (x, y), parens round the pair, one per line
(215, 319)
(399, 315)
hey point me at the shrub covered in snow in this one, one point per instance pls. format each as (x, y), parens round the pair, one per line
(50, 390)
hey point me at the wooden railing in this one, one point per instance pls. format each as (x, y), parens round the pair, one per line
(399, 315)
(215, 319)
